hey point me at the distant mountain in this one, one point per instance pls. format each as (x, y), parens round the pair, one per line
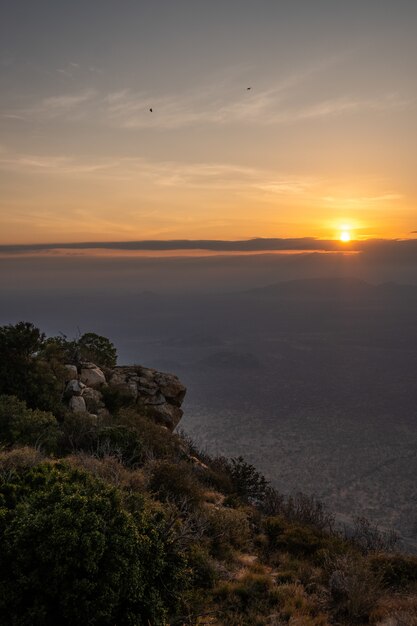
(333, 287)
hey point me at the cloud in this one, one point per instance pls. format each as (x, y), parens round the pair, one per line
(55, 106)
(376, 248)
(223, 104)
(221, 99)
(163, 173)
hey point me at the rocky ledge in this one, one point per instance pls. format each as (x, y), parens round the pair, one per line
(91, 389)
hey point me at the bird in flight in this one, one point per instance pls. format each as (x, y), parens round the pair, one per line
(151, 110)
(248, 88)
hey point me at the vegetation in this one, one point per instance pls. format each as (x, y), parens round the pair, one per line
(116, 521)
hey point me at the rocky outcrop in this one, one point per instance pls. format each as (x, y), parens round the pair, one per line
(92, 376)
(159, 394)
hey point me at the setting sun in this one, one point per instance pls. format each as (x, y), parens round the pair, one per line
(345, 236)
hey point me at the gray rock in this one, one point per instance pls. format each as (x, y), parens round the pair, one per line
(153, 399)
(77, 404)
(74, 388)
(71, 372)
(92, 377)
(170, 386)
(93, 399)
(167, 414)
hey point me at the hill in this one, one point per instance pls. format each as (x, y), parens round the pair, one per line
(109, 515)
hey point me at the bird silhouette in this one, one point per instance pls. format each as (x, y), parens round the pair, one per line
(151, 110)
(248, 88)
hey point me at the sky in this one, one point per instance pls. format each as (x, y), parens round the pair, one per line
(323, 141)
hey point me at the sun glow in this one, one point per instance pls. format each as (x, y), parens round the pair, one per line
(345, 236)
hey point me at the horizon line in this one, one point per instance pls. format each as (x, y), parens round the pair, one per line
(256, 244)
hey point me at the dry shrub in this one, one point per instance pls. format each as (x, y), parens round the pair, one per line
(298, 608)
(19, 458)
(174, 482)
(395, 610)
(299, 508)
(111, 470)
(247, 601)
(355, 588)
(398, 571)
(370, 538)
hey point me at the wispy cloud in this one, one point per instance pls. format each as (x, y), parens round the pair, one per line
(360, 200)
(55, 106)
(214, 105)
(221, 100)
(162, 173)
(58, 105)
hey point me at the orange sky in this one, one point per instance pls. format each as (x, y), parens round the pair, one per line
(323, 141)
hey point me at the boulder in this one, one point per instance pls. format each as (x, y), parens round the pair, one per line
(167, 414)
(157, 398)
(160, 392)
(92, 376)
(77, 404)
(171, 387)
(74, 388)
(93, 399)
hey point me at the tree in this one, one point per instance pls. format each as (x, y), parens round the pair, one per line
(100, 350)
(249, 484)
(24, 370)
(70, 549)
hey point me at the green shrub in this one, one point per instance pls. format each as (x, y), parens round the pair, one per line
(227, 529)
(80, 431)
(69, 549)
(100, 350)
(116, 399)
(176, 482)
(247, 601)
(22, 426)
(157, 441)
(204, 574)
(120, 441)
(298, 540)
(248, 483)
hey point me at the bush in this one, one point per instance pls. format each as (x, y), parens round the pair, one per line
(247, 601)
(22, 426)
(23, 370)
(397, 570)
(116, 399)
(249, 484)
(157, 441)
(175, 482)
(204, 574)
(369, 538)
(68, 548)
(79, 432)
(302, 541)
(100, 350)
(121, 442)
(227, 529)
(354, 587)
